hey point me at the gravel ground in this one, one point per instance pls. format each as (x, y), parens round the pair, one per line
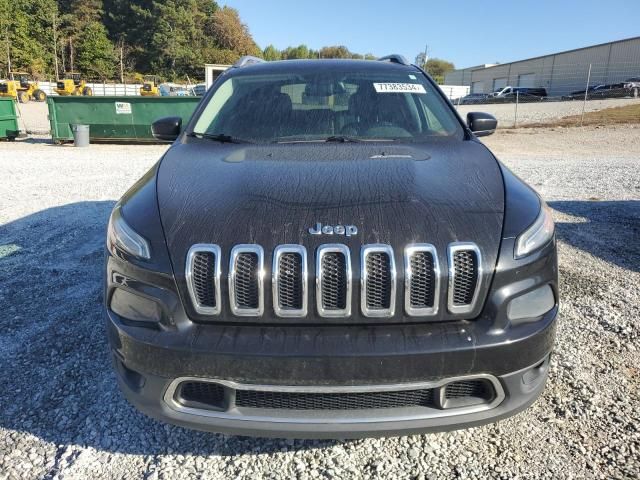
(63, 417)
(535, 112)
(33, 118)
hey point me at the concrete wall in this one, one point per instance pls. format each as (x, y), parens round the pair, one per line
(564, 72)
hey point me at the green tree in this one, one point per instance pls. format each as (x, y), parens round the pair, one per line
(25, 35)
(271, 53)
(438, 68)
(231, 34)
(95, 52)
(335, 52)
(299, 52)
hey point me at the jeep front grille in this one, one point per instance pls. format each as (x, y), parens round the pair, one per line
(289, 281)
(378, 279)
(246, 277)
(203, 278)
(422, 280)
(333, 286)
(334, 280)
(464, 277)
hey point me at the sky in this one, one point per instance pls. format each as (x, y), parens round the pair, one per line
(463, 32)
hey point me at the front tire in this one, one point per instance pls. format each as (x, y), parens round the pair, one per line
(23, 97)
(39, 95)
(87, 92)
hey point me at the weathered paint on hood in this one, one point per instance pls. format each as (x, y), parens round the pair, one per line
(228, 194)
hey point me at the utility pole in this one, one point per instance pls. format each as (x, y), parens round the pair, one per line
(426, 55)
(55, 44)
(9, 69)
(121, 60)
(71, 54)
(64, 58)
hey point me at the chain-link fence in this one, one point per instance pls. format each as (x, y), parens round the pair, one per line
(555, 95)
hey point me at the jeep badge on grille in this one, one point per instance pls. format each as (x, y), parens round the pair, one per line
(347, 230)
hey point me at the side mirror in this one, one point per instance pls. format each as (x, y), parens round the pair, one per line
(482, 124)
(167, 128)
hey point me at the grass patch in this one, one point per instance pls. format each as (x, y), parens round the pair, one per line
(606, 116)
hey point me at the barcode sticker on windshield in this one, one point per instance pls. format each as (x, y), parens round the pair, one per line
(399, 88)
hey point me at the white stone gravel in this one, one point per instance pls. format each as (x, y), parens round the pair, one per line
(61, 415)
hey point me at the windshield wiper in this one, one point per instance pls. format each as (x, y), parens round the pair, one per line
(341, 139)
(219, 137)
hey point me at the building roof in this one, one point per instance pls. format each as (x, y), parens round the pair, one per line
(555, 53)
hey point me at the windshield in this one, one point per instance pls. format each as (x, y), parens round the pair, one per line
(325, 106)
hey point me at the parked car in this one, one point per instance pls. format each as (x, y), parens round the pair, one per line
(614, 90)
(521, 94)
(173, 90)
(579, 94)
(633, 86)
(300, 269)
(473, 99)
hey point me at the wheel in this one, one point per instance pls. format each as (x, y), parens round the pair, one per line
(39, 96)
(87, 92)
(23, 97)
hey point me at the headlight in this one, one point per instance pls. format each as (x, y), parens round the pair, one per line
(537, 235)
(120, 235)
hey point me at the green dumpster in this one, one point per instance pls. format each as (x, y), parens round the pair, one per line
(115, 118)
(8, 119)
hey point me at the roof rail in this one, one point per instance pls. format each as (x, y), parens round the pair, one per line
(394, 58)
(247, 60)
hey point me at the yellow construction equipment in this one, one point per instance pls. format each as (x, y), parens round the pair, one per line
(73, 84)
(150, 86)
(22, 87)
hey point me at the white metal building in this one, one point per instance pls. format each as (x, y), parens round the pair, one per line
(560, 73)
(211, 72)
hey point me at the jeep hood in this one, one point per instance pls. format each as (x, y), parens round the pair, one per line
(228, 194)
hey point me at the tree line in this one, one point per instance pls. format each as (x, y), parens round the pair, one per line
(121, 39)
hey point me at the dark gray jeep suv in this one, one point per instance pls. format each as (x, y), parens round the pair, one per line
(326, 250)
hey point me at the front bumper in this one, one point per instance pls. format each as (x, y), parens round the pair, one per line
(151, 395)
(151, 358)
(148, 362)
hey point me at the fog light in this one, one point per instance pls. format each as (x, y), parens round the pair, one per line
(531, 305)
(135, 307)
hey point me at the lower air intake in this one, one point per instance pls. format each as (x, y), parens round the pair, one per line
(334, 401)
(201, 393)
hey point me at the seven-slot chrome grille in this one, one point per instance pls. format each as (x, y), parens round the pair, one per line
(378, 281)
(246, 280)
(203, 278)
(334, 280)
(465, 272)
